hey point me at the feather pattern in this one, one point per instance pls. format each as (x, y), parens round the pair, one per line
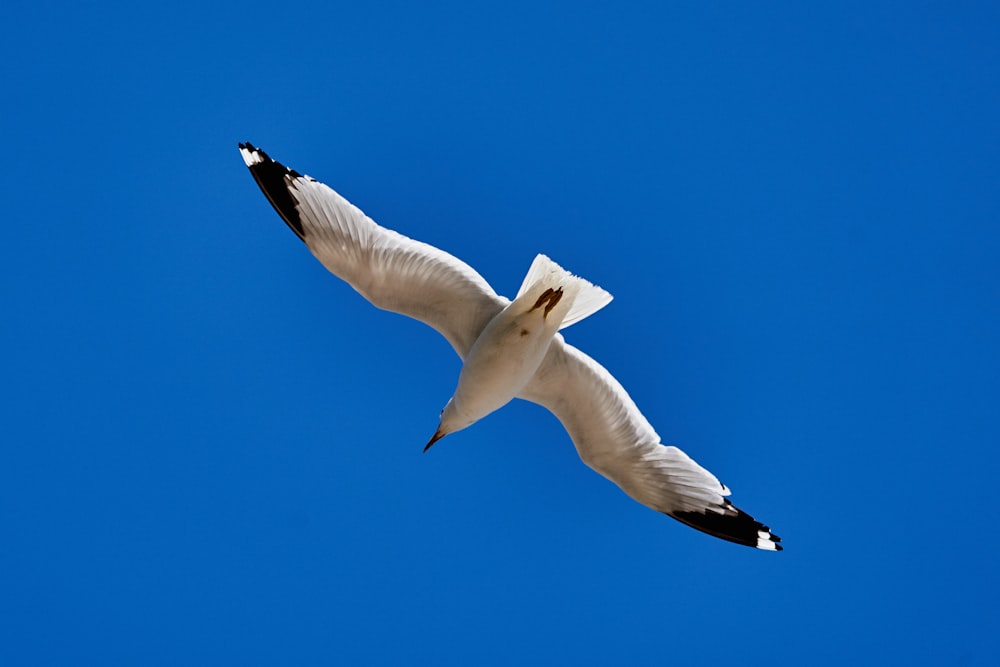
(392, 271)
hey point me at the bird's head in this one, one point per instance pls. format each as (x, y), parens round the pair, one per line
(452, 421)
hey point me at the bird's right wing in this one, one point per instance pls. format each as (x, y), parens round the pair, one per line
(613, 438)
(390, 270)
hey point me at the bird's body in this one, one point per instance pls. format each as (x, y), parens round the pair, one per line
(501, 361)
(509, 348)
(513, 344)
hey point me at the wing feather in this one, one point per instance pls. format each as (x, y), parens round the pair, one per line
(613, 438)
(392, 271)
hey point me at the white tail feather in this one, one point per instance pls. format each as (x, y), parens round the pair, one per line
(586, 298)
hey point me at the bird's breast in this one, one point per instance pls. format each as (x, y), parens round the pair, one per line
(502, 360)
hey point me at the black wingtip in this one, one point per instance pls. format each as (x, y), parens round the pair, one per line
(273, 179)
(732, 525)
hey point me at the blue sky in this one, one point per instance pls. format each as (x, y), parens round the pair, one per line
(212, 447)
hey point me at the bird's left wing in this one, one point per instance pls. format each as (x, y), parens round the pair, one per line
(613, 438)
(390, 270)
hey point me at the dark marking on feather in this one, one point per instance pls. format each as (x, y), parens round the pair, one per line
(549, 298)
(729, 523)
(275, 181)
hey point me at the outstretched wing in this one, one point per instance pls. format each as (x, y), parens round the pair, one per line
(613, 438)
(392, 271)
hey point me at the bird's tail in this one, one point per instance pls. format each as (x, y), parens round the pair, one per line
(583, 297)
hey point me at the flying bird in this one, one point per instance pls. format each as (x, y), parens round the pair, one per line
(510, 349)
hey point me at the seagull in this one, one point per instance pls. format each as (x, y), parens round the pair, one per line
(510, 349)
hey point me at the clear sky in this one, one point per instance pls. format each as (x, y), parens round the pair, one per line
(211, 448)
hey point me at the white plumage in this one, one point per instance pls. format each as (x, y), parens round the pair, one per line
(510, 349)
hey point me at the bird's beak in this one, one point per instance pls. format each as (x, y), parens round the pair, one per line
(434, 438)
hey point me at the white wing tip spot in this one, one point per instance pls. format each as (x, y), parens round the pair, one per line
(251, 157)
(766, 541)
